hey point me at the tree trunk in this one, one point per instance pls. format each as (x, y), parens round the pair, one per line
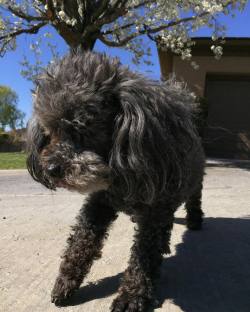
(88, 44)
(75, 40)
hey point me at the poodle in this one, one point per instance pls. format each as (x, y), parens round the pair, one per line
(130, 143)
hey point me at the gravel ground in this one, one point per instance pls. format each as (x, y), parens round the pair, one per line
(207, 271)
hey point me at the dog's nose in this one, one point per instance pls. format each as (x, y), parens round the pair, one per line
(55, 170)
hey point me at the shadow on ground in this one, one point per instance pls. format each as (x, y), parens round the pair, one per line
(210, 271)
(101, 289)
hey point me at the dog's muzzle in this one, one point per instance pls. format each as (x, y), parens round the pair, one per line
(84, 172)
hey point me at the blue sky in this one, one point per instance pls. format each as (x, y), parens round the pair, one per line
(10, 64)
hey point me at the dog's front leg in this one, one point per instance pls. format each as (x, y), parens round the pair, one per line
(84, 245)
(136, 293)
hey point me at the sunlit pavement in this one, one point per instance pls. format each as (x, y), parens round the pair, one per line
(207, 271)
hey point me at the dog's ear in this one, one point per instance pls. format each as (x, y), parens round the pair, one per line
(138, 155)
(145, 157)
(36, 139)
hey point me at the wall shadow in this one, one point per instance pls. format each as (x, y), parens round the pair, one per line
(211, 269)
(245, 165)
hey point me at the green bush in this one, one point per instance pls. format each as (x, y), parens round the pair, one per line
(4, 137)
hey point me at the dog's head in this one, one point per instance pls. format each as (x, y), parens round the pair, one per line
(97, 125)
(70, 133)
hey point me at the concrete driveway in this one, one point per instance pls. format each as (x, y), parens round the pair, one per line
(207, 271)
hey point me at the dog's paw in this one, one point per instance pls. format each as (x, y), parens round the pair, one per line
(124, 303)
(63, 289)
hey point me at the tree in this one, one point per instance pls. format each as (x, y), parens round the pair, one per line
(10, 115)
(116, 23)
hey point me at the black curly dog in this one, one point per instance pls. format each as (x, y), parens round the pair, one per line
(130, 143)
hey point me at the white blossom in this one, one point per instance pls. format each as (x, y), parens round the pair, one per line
(62, 14)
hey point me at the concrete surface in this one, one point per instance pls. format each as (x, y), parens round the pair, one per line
(207, 271)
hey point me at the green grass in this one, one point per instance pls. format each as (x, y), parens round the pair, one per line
(12, 161)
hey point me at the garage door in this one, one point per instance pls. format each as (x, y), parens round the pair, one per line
(228, 131)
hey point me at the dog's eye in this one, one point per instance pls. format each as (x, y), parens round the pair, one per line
(75, 136)
(45, 140)
(73, 130)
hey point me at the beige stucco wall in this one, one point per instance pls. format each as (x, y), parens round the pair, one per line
(196, 78)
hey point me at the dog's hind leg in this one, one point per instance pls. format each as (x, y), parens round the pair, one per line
(151, 241)
(84, 245)
(194, 216)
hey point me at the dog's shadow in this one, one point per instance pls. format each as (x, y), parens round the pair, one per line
(101, 289)
(210, 271)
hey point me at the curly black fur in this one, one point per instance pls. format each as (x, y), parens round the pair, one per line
(130, 143)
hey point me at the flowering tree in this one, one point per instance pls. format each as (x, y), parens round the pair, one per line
(116, 23)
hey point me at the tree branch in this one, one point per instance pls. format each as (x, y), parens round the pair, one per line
(119, 43)
(109, 32)
(28, 18)
(148, 30)
(51, 9)
(32, 30)
(139, 5)
(3, 47)
(174, 23)
(116, 11)
(103, 6)
(183, 20)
